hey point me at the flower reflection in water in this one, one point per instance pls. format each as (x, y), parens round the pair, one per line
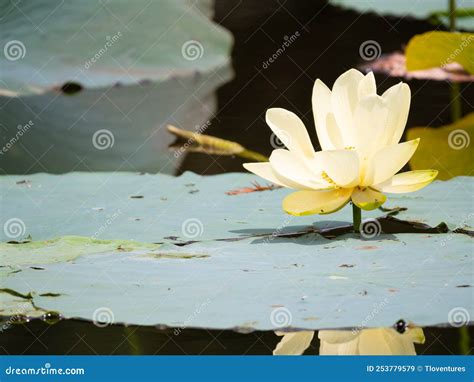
(377, 341)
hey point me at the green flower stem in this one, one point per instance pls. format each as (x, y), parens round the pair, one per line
(456, 106)
(356, 217)
(452, 15)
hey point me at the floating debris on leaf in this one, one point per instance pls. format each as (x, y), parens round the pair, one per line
(256, 188)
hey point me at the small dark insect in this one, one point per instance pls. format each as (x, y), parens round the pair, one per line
(400, 326)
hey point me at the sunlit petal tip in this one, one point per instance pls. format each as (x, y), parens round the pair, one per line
(352, 72)
(406, 182)
(319, 83)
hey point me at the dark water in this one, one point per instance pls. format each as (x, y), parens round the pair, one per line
(327, 46)
(78, 337)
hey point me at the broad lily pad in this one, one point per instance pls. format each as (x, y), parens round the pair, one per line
(201, 276)
(161, 208)
(90, 86)
(437, 49)
(257, 284)
(448, 149)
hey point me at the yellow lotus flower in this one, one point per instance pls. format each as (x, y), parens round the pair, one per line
(359, 132)
(378, 341)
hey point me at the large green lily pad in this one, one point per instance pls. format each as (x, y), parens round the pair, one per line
(90, 85)
(303, 283)
(201, 277)
(162, 208)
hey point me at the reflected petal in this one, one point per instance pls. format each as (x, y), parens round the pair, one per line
(293, 343)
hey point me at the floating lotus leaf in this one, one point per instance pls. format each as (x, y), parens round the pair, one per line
(201, 276)
(162, 208)
(91, 85)
(258, 284)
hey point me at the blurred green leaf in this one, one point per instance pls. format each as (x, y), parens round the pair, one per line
(437, 49)
(448, 149)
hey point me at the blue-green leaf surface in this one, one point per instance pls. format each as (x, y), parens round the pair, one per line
(162, 208)
(257, 282)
